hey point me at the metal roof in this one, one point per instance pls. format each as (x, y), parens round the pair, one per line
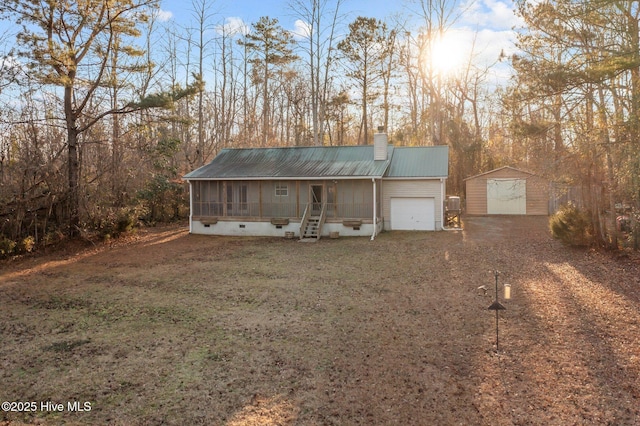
(294, 162)
(340, 162)
(499, 169)
(419, 161)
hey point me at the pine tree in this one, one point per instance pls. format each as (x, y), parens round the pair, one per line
(73, 46)
(271, 48)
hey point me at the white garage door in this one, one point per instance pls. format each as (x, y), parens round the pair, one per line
(413, 214)
(506, 196)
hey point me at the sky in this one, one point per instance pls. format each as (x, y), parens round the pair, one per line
(251, 10)
(482, 29)
(486, 26)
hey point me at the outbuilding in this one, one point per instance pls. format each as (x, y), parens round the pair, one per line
(311, 192)
(507, 191)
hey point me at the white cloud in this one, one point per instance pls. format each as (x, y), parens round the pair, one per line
(233, 26)
(488, 48)
(490, 44)
(301, 29)
(501, 14)
(164, 15)
(494, 14)
(484, 32)
(482, 46)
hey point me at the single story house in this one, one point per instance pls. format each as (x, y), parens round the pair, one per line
(507, 191)
(311, 192)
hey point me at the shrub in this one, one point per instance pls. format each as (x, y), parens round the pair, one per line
(111, 222)
(27, 244)
(571, 225)
(7, 247)
(164, 199)
(126, 221)
(53, 237)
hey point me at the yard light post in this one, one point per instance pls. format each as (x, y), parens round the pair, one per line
(497, 306)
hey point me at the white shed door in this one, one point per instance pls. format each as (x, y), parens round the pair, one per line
(506, 196)
(413, 214)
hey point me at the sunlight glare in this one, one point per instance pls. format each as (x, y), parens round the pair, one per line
(448, 54)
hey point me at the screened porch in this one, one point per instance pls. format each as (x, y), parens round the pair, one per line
(266, 200)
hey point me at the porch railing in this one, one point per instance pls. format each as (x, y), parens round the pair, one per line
(349, 210)
(270, 210)
(305, 219)
(323, 216)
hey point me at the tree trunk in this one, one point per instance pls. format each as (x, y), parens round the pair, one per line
(365, 127)
(612, 231)
(73, 164)
(265, 102)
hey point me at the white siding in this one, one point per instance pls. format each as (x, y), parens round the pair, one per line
(425, 188)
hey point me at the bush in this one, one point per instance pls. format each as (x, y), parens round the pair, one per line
(112, 222)
(7, 247)
(126, 221)
(53, 237)
(27, 244)
(164, 200)
(572, 226)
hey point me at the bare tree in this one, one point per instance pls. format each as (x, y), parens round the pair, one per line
(319, 37)
(203, 14)
(438, 16)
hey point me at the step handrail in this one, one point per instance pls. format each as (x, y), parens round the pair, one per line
(323, 216)
(305, 220)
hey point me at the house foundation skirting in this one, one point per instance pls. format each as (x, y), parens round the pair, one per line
(230, 227)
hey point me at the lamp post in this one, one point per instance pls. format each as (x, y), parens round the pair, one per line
(497, 306)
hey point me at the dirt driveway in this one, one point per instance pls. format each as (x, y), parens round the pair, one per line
(171, 328)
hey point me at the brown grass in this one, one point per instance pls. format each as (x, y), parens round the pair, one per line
(171, 328)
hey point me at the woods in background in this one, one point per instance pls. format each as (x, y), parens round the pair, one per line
(103, 106)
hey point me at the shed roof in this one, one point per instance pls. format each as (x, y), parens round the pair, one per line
(294, 162)
(419, 161)
(339, 162)
(499, 169)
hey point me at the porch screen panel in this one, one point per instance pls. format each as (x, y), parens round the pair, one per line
(355, 199)
(207, 197)
(332, 205)
(279, 199)
(196, 189)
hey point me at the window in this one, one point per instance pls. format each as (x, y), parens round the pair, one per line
(282, 190)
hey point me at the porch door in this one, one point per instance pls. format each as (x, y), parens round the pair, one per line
(316, 198)
(237, 202)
